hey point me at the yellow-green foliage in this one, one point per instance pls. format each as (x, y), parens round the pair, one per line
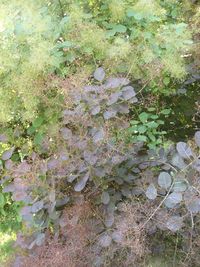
(137, 36)
(117, 10)
(27, 36)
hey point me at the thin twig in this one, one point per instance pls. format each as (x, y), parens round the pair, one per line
(158, 207)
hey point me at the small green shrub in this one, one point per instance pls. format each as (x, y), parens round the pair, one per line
(147, 128)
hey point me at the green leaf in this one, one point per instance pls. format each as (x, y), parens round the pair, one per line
(142, 129)
(143, 117)
(110, 33)
(65, 44)
(131, 13)
(152, 137)
(154, 117)
(134, 122)
(38, 122)
(152, 124)
(119, 28)
(2, 200)
(151, 109)
(166, 111)
(142, 138)
(38, 138)
(166, 81)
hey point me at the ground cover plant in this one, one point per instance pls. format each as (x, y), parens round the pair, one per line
(91, 164)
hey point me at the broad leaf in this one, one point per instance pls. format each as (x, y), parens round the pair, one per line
(173, 199)
(99, 74)
(80, 185)
(37, 206)
(105, 198)
(175, 223)
(164, 180)
(128, 92)
(184, 150)
(151, 192)
(105, 240)
(7, 154)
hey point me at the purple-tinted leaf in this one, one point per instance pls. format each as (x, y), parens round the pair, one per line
(105, 240)
(179, 186)
(37, 206)
(196, 165)
(113, 98)
(105, 198)
(22, 169)
(61, 202)
(128, 92)
(66, 133)
(117, 236)
(109, 114)
(9, 188)
(3, 138)
(184, 150)
(95, 110)
(117, 159)
(197, 138)
(99, 74)
(178, 162)
(7, 154)
(52, 164)
(40, 239)
(92, 88)
(173, 199)
(19, 196)
(9, 164)
(25, 210)
(123, 108)
(98, 136)
(164, 180)
(52, 196)
(192, 201)
(63, 222)
(64, 155)
(100, 172)
(151, 192)
(89, 157)
(126, 192)
(18, 261)
(72, 177)
(133, 100)
(174, 223)
(116, 82)
(109, 220)
(81, 183)
(82, 144)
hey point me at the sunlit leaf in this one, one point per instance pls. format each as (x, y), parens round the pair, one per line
(7, 154)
